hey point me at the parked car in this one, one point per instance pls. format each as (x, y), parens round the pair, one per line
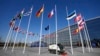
(52, 48)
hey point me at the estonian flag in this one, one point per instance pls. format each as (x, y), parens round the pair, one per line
(73, 14)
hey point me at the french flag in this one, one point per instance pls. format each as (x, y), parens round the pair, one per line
(51, 14)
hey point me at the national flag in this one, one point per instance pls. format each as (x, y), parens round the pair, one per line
(73, 14)
(28, 13)
(12, 23)
(81, 27)
(38, 13)
(16, 28)
(19, 16)
(47, 28)
(82, 23)
(78, 29)
(75, 31)
(51, 13)
(78, 18)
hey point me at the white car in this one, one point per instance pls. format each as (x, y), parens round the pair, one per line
(52, 48)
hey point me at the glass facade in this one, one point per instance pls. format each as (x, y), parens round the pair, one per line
(93, 27)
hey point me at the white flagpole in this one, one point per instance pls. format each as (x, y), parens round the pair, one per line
(11, 39)
(81, 40)
(18, 43)
(88, 36)
(7, 38)
(56, 27)
(27, 31)
(49, 34)
(41, 31)
(69, 33)
(86, 39)
(16, 36)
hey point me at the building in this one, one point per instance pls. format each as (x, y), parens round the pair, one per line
(93, 26)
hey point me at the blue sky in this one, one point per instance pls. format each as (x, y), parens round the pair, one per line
(9, 8)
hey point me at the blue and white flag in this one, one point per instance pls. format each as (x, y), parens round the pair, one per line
(73, 14)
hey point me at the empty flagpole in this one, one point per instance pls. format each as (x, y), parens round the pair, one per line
(41, 31)
(69, 33)
(88, 36)
(7, 38)
(27, 30)
(56, 27)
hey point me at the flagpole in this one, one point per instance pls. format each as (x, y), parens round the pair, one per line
(27, 30)
(81, 38)
(56, 27)
(16, 35)
(7, 38)
(11, 39)
(41, 31)
(69, 33)
(18, 43)
(49, 34)
(88, 35)
(87, 39)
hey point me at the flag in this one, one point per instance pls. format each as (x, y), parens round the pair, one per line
(16, 28)
(29, 12)
(73, 14)
(19, 16)
(78, 18)
(47, 28)
(82, 23)
(78, 29)
(75, 31)
(51, 13)
(38, 13)
(12, 22)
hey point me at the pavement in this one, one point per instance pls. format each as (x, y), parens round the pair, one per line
(33, 51)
